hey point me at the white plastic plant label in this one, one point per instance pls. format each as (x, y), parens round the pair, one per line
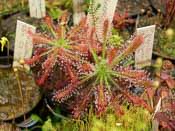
(78, 11)
(105, 11)
(37, 8)
(143, 54)
(23, 43)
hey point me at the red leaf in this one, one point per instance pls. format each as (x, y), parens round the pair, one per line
(32, 60)
(64, 94)
(101, 100)
(39, 39)
(168, 79)
(49, 22)
(150, 92)
(164, 76)
(81, 105)
(135, 43)
(117, 108)
(81, 48)
(120, 21)
(105, 28)
(170, 82)
(165, 121)
(47, 68)
(71, 73)
(139, 102)
(111, 55)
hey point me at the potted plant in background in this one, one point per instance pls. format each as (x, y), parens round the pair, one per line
(162, 17)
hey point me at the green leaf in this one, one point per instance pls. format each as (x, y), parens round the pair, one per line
(116, 40)
(55, 13)
(48, 126)
(87, 1)
(36, 118)
(61, 43)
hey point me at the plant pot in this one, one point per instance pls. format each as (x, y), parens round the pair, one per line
(5, 62)
(8, 127)
(12, 103)
(6, 58)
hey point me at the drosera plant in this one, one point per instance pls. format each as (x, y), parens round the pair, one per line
(93, 70)
(61, 48)
(123, 24)
(121, 21)
(106, 78)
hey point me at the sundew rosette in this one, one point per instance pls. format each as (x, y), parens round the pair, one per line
(92, 71)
